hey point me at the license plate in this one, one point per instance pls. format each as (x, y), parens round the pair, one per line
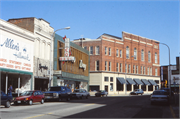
(18, 101)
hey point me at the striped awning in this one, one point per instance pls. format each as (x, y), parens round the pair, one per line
(152, 82)
(137, 81)
(122, 80)
(145, 82)
(130, 81)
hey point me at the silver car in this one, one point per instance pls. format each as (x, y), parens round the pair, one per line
(80, 93)
(160, 96)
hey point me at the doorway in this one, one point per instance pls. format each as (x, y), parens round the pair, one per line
(106, 88)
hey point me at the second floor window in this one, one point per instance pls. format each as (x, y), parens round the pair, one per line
(120, 53)
(126, 68)
(85, 47)
(97, 65)
(109, 66)
(149, 56)
(141, 70)
(105, 50)
(117, 52)
(155, 57)
(120, 67)
(156, 72)
(97, 50)
(91, 50)
(105, 65)
(136, 69)
(127, 52)
(148, 71)
(142, 55)
(144, 70)
(135, 54)
(129, 68)
(117, 67)
(109, 51)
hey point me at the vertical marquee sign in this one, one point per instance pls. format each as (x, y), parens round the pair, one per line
(66, 51)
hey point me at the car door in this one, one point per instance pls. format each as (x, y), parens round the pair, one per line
(63, 92)
(3, 98)
(35, 97)
(39, 97)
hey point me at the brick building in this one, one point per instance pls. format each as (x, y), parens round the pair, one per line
(114, 61)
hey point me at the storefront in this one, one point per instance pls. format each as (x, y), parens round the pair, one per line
(71, 64)
(16, 57)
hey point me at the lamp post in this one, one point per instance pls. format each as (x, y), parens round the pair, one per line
(53, 34)
(169, 75)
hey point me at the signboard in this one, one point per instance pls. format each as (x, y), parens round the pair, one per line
(67, 59)
(57, 72)
(66, 50)
(16, 53)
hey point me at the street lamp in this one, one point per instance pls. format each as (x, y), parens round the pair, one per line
(169, 75)
(53, 34)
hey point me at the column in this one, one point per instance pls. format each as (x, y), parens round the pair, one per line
(132, 87)
(6, 83)
(146, 88)
(153, 87)
(139, 86)
(124, 88)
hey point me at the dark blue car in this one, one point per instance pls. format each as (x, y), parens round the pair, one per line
(6, 99)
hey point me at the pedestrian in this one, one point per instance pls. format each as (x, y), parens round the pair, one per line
(10, 89)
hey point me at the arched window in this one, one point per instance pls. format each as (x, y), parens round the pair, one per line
(142, 55)
(155, 57)
(135, 54)
(149, 56)
(127, 52)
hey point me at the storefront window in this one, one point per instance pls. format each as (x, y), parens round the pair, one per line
(111, 86)
(106, 79)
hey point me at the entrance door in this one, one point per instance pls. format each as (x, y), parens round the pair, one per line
(106, 88)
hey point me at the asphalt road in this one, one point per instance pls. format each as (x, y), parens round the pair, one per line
(94, 107)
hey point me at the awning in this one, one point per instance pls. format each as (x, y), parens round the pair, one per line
(130, 81)
(138, 81)
(121, 80)
(145, 82)
(152, 82)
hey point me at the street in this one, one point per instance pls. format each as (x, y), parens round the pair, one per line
(135, 106)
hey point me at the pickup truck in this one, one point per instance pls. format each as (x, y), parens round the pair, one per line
(58, 93)
(6, 99)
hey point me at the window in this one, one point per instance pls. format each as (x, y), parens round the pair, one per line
(117, 52)
(149, 56)
(127, 52)
(97, 50)
(97, 65)
(126, 68)
(120, 67)
(155, 71)
(135, 54)
(105, 50)
(85, 47)
(144, 70)
(106, 79)
(105, 65)
(129, 68)
(109, 51)
(155, 57)
(109, 66)
(148, 71)
(91, 50)
(111, 79)
(111, 86)
(117, 67)
(141, 70)
(120, 53)
(136, 69)
(142, 55)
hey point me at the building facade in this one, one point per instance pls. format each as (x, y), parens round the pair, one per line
(115, 63)
(16, 57)
(43, 35)
(71, 66)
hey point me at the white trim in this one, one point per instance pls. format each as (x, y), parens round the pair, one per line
(149, 44)
(127, 38)
(143, 42)
(156, 65)
(135, 40)
(108, 40)
(119, 42)
(111, 37)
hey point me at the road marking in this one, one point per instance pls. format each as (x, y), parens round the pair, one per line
(172, 112)
(90, 104)
(38, 115)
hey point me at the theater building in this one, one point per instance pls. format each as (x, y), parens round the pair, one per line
(16, 57)
(116, 62)
(71, 64)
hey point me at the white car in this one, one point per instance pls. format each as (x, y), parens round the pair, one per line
(160, 96)
(80, 93)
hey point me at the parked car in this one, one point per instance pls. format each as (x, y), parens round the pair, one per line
(168, 91)
(6, 99)
(80, 93)
(58, 93)
(137, 92)
(160, 96)
(101, 93)
(29, 97)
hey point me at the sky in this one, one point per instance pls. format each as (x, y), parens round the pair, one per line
(157, 20)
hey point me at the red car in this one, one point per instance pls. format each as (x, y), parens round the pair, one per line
(28, 97)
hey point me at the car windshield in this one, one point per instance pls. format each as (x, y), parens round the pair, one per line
(159, 93)
(75, 91)
(54, 89)
(27, 93)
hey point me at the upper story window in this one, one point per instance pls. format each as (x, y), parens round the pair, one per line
(126, 68)
(129, 67)
(117, 52)
(109, 66)
(105, 65)
(136, 69)
(155, 57)
(105, 50)
(120, 67)
(97, 65)
(149, 56)
(117, 67)
(150, 71)
(109, 51)
(155, 71)
(144, 70)
(97, 50)
(106, 79)
(127, 52)
(120, 53)
(91, 50)
(142, 55)
(85, 47)
(135, 54)
(141, 70)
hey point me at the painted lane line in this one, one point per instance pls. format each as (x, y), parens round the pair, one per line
(38, 115)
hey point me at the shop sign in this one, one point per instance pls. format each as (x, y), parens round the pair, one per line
(67, 59)
(16, 53)
(56, 72)
(66, 50)
(81, 65)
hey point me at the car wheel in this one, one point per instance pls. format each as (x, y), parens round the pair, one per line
(30, 102)
(42, 101)
(8, 104)
(68, 98)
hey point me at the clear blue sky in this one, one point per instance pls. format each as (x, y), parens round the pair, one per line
(158, 20)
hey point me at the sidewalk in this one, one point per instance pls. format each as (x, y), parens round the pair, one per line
(174, 105)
